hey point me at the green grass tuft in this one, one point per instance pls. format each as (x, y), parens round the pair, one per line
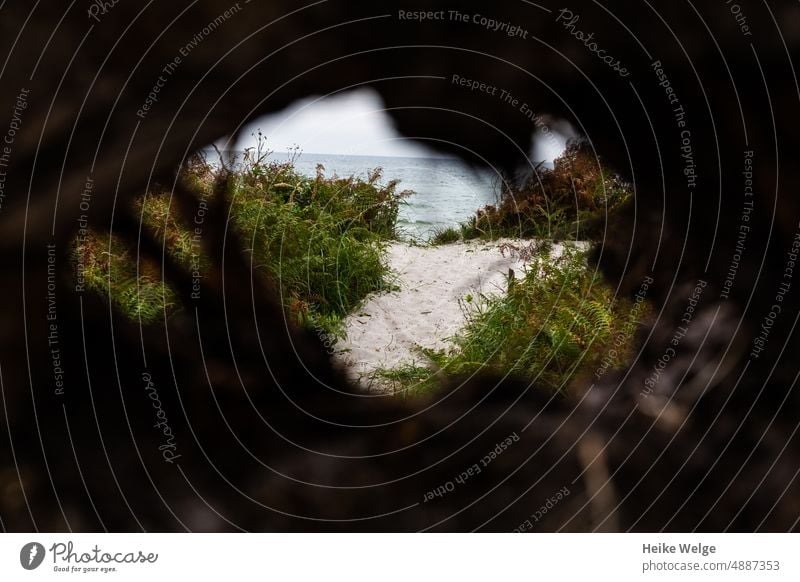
(321, 239)
(445, 236)
(573, 200)
(404, 381)
(558, 323)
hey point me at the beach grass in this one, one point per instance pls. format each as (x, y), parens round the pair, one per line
(558, 323)
(574, 200)
(445, 235)
(406, 380)
(321, 240)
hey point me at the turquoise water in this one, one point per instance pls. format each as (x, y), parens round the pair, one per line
(447, 191)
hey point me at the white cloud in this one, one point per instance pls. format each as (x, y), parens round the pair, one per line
(354, 123)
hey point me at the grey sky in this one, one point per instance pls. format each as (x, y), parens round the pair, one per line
(353, 123)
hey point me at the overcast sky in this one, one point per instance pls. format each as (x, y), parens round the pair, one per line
(353, 123)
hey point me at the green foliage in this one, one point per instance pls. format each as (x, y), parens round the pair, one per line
(558, 323)
(110, 269)
(320, 239)
(573, 200)
(404, 381)
(445, 236)
(470, 230)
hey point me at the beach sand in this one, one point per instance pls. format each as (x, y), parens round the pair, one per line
(428, 307)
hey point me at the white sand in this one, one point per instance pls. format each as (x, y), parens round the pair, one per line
(428, 308)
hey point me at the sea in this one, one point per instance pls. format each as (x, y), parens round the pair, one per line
(446, 192)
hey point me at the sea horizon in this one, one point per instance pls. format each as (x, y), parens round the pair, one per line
(447, 191)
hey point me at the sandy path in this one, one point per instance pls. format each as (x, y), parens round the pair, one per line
(426, 311)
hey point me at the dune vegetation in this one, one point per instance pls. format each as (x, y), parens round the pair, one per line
(556, 324)
(573, 200)
(320, 239)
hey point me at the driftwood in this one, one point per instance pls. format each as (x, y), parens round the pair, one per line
(687, 100)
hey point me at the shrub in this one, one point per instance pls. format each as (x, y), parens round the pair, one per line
(555, 324)
(110, 269)
(572, 200)
(321, 239)
(445, 236)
